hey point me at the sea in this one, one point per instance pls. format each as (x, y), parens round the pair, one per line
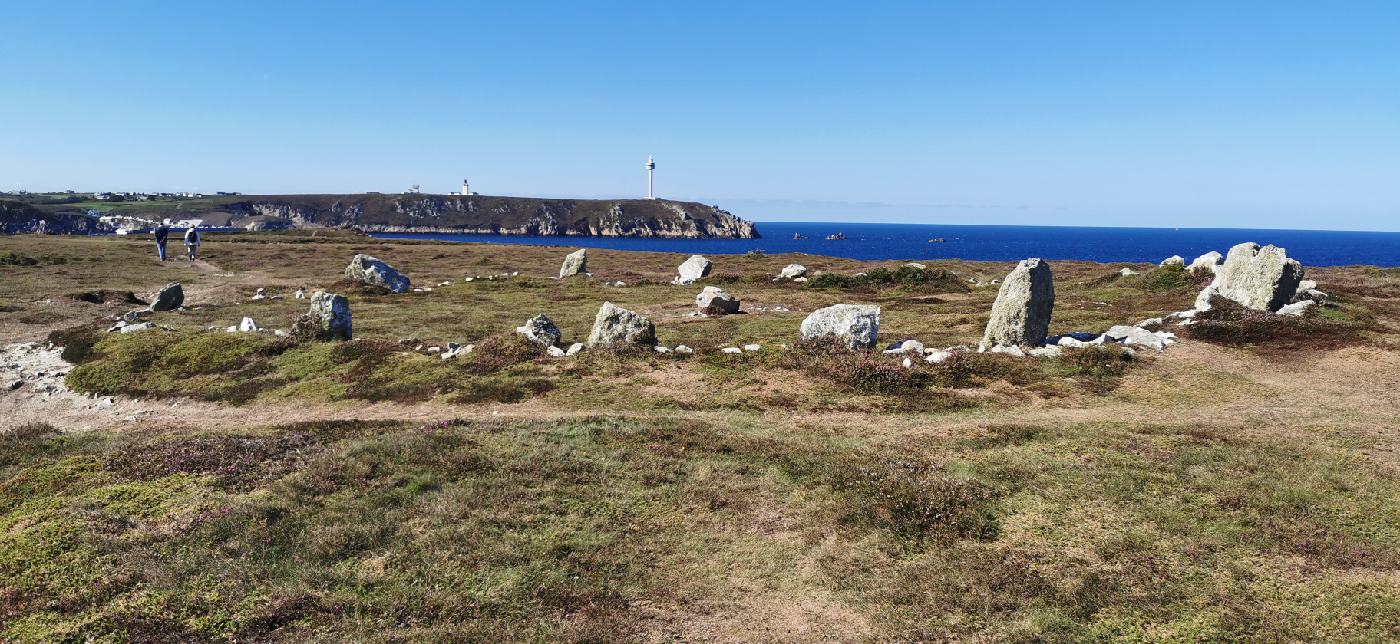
(999, 243)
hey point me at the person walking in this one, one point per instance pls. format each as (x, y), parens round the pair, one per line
(161, 233)
(192, 241)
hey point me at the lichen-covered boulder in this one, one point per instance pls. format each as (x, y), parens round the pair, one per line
(375, 272)
(1206, 262)
(693, 269)
(327, 319)
(715, 301)
(541, 330)
(169, 298)
(1025, 301)
(575, 263)
(616, 325)
(856, 325)
(1262, 278)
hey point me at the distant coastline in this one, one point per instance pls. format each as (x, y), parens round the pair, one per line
(993, 242)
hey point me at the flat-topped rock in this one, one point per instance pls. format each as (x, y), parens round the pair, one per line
(716, 301)
(616, 325)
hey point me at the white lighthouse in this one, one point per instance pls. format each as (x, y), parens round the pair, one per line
(651, 169)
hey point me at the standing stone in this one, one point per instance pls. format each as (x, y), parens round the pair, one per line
(1021, 313)
(169, 298)
(715, 301)
(375, 272)
(329, 317)
(792, 271)
(615, 325)
(857, 325)
(1260, 278)
(542, 330)
(575, 263)
(692, 269)
(1206, 262)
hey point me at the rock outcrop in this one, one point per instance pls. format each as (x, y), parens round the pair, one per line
(541, 330)
(169, 298)
(327, 319)
(575, 263)
(716, 301)
(856, 325)
(692, 269)
(616, 325)
(376, 272)
(1261, 278)
(1174, 260)
(1025, 301)
(792, 271)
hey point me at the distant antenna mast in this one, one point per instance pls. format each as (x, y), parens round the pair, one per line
(651, 169)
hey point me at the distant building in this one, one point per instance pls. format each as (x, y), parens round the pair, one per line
(466, 189)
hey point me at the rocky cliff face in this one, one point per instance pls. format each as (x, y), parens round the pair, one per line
(497, 215)
(19, 218)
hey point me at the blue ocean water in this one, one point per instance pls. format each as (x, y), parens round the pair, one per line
(911, 242)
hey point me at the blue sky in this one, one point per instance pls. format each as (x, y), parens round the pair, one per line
(1244, 114)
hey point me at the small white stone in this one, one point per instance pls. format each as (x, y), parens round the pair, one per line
(681, 348)
(752, 347)
(732, 350)
(574, 348)
(556, 352)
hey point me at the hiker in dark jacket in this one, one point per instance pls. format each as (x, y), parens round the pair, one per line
(161, 233)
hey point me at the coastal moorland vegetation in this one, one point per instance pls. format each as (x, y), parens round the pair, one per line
(1241, 485)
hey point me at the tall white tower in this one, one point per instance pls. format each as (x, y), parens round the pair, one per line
(466, 187)
(651, 169)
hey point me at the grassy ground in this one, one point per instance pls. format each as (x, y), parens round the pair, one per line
(1239, 486)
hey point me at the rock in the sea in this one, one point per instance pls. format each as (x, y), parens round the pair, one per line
(715, 301)
(169, 298)
(541, 330)
(1206, 262)
(575, 263)
(1174, 260)
(616, 325)
(792, 271)
(328, 318)
(857, 325)
(375, 272)
(1025, 301)
(693, 269)
(1261, 278)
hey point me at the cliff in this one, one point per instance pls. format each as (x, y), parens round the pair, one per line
(424, 213)
(18, 218)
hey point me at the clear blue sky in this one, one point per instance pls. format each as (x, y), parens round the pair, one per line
(1250, 114)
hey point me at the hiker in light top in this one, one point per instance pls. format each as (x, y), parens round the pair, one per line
(192, 241)
(161, 233)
